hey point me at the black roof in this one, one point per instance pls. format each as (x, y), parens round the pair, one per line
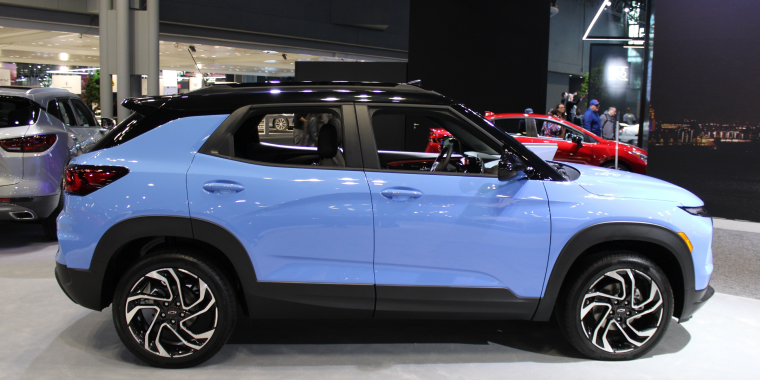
(228, 97)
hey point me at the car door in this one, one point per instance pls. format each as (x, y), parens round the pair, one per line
(451, 244)
(582, 153)
(304, 220)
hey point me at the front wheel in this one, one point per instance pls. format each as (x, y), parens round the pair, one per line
(173, 310)
(618, 307)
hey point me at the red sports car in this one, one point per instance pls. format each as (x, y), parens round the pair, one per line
(574, 144)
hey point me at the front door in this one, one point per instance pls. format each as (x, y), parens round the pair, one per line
(456, 242)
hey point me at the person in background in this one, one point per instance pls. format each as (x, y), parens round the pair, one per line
(299, 125)
(591, 121)
(559, 111)
(629, 118)
(564, 98)
(550, 129)
(521, 124)
(608, 122)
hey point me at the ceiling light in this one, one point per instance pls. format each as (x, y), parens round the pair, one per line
(64, 56)
(270, 61)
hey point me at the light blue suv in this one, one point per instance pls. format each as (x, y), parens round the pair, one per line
(185, 215)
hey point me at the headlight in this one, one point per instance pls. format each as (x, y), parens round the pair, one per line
(700, 211)
(642, 156)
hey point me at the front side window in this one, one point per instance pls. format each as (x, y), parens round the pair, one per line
(83, 113)
(316, 138)
(66, 113)
(430, 141)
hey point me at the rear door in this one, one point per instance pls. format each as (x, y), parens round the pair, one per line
(15, 114)
(304, 218)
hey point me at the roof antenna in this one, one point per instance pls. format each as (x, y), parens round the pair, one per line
(416, 82)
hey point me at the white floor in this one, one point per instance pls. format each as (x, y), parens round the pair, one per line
(44, 335)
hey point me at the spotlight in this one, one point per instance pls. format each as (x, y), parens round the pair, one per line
(285, 57)
(192, 48)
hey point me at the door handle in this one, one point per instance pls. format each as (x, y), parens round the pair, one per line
(219, 187)
(401, 194)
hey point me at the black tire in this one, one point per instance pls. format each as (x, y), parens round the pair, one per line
(49, 224)
(621, 166)
(191, 272)
(594, 277)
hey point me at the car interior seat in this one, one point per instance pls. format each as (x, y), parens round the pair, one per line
(327, 145)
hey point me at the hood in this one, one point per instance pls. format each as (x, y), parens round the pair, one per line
(620, 184)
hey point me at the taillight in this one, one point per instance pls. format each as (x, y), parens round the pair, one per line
(30, 144)
(83, 180)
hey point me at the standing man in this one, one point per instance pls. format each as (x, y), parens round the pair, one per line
(591, 121)
(629, 118)
(608, 121)
(299, 125)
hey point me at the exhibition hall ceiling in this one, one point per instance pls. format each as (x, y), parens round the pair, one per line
(73, 49)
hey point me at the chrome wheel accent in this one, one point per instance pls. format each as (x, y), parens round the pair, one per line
(171, 312)
(621, 310)
(280, 124)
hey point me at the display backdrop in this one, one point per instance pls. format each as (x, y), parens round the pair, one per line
(490, 55)
(705, 131)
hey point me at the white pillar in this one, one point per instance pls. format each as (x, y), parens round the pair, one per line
(123, 58)
(106, 90)
(152, 46)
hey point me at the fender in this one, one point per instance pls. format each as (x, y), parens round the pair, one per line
(271, 299)
(120, 234)
(610, 232)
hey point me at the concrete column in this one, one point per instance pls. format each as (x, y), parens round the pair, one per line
(106, 92)
(152, 46)
(123, 56)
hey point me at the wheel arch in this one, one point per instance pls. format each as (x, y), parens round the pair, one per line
(129, 240)
(657, 243)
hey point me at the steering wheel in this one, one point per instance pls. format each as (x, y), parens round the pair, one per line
(448, 150)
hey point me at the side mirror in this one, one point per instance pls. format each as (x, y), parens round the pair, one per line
(578, 140)
(107, 123)
(509, 165)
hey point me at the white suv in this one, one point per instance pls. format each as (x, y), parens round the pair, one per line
(41, 129)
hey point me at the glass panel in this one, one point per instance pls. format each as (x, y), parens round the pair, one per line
(313, 138)
(83, 114)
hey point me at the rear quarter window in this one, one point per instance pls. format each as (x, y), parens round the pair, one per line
(16, 112)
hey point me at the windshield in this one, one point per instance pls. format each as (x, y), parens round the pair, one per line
(16, 112)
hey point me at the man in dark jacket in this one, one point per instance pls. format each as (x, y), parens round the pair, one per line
(591, 121)
(608, 122)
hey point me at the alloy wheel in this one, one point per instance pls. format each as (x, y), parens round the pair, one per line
(171, 312)
(280, 124)
(621, 311)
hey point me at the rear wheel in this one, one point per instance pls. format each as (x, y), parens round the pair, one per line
(617, 308)
(49, 224)
(173, 310)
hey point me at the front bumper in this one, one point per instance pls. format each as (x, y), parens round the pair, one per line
(694, 301)
(83, 286)
(28, 208)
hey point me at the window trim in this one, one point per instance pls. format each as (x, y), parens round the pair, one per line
(230, 125)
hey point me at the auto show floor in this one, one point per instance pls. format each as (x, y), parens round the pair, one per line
(46, 336)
